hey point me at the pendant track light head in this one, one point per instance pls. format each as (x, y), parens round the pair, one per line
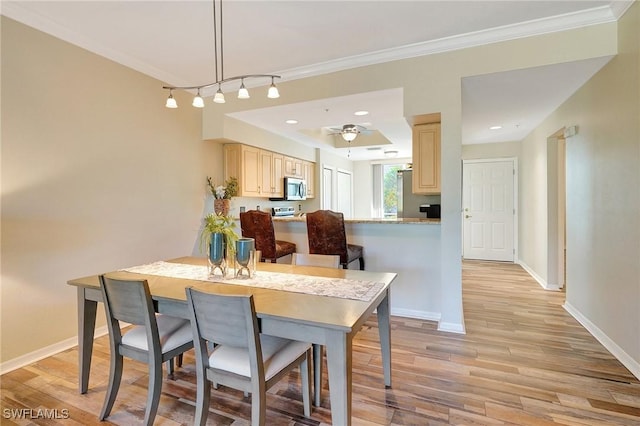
(243, 93)
(171, 102)
(219, 97)
(198, 102)
(273, 90)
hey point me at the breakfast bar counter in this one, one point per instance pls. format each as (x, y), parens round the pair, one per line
(410, 247)
(394, 221)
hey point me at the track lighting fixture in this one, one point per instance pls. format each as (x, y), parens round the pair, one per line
(243, 92)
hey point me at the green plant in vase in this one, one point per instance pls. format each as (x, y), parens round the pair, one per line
(218, 238)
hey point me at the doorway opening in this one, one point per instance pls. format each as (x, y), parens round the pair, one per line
(556, 203)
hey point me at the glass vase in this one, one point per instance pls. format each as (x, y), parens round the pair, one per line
(245, 250)
(217, 261)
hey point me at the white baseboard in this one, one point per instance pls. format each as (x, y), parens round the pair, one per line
(610, 345)
(45, 352)
(430, 316)
(543, 283)
(411, 313)
(452, 327)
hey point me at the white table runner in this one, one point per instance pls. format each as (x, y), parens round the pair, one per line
(320, 286)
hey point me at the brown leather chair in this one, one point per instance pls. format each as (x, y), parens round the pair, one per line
(258, 225)
(326, 234)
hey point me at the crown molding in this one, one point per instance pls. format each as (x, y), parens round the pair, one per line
(595, 16)
(14, 10)
(619, 8)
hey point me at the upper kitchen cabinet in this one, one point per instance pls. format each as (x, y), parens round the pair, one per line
(271, 168)
(293, 167)
(259, 172)
(426, 159)
(309, 175)
(242, 162)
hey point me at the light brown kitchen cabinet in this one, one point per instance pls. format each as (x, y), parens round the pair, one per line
(259, 172)
(309, 175)
(271, 167)
(243, 162)
(293, 167)
(426, 159)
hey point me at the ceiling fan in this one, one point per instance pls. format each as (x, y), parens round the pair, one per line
(350, 131)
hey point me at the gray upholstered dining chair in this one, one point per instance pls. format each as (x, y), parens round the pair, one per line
(153, 339)
(242, 357)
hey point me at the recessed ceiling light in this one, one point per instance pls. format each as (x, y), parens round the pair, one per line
(495, 127)
(291, 121)
(359, 113)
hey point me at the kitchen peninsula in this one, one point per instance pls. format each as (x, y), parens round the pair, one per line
(409, 247)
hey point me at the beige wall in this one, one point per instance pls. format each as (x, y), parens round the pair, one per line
(96, 175)
(603, 198)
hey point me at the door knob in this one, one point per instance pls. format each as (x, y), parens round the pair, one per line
(466, 216)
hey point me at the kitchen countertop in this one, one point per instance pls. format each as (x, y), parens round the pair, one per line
(401, 221)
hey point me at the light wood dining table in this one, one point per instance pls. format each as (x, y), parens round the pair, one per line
(326, 320)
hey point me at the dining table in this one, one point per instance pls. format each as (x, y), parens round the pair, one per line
(324, 306)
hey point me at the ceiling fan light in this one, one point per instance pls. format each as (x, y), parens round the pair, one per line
(171, 102)
(349, 132)
(243, 93)
(349, 135)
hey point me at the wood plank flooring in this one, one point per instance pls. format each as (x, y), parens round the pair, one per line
(523, 361)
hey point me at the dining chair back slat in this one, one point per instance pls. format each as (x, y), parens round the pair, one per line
(224, 319)
(128, 302)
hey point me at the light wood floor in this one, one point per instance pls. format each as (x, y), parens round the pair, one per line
(523, 361)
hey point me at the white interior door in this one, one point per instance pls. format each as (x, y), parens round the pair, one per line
(327, 187)
(488, 209)
(344, 193)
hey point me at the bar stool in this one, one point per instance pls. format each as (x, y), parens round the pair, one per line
(258, 225)
(326, 234)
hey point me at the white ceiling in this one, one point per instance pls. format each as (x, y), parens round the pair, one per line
(173, 40)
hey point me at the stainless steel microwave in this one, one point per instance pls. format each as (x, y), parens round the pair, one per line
(295, 189)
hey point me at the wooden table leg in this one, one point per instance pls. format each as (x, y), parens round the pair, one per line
(338, 347)
(384, 328)
(86, 328)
